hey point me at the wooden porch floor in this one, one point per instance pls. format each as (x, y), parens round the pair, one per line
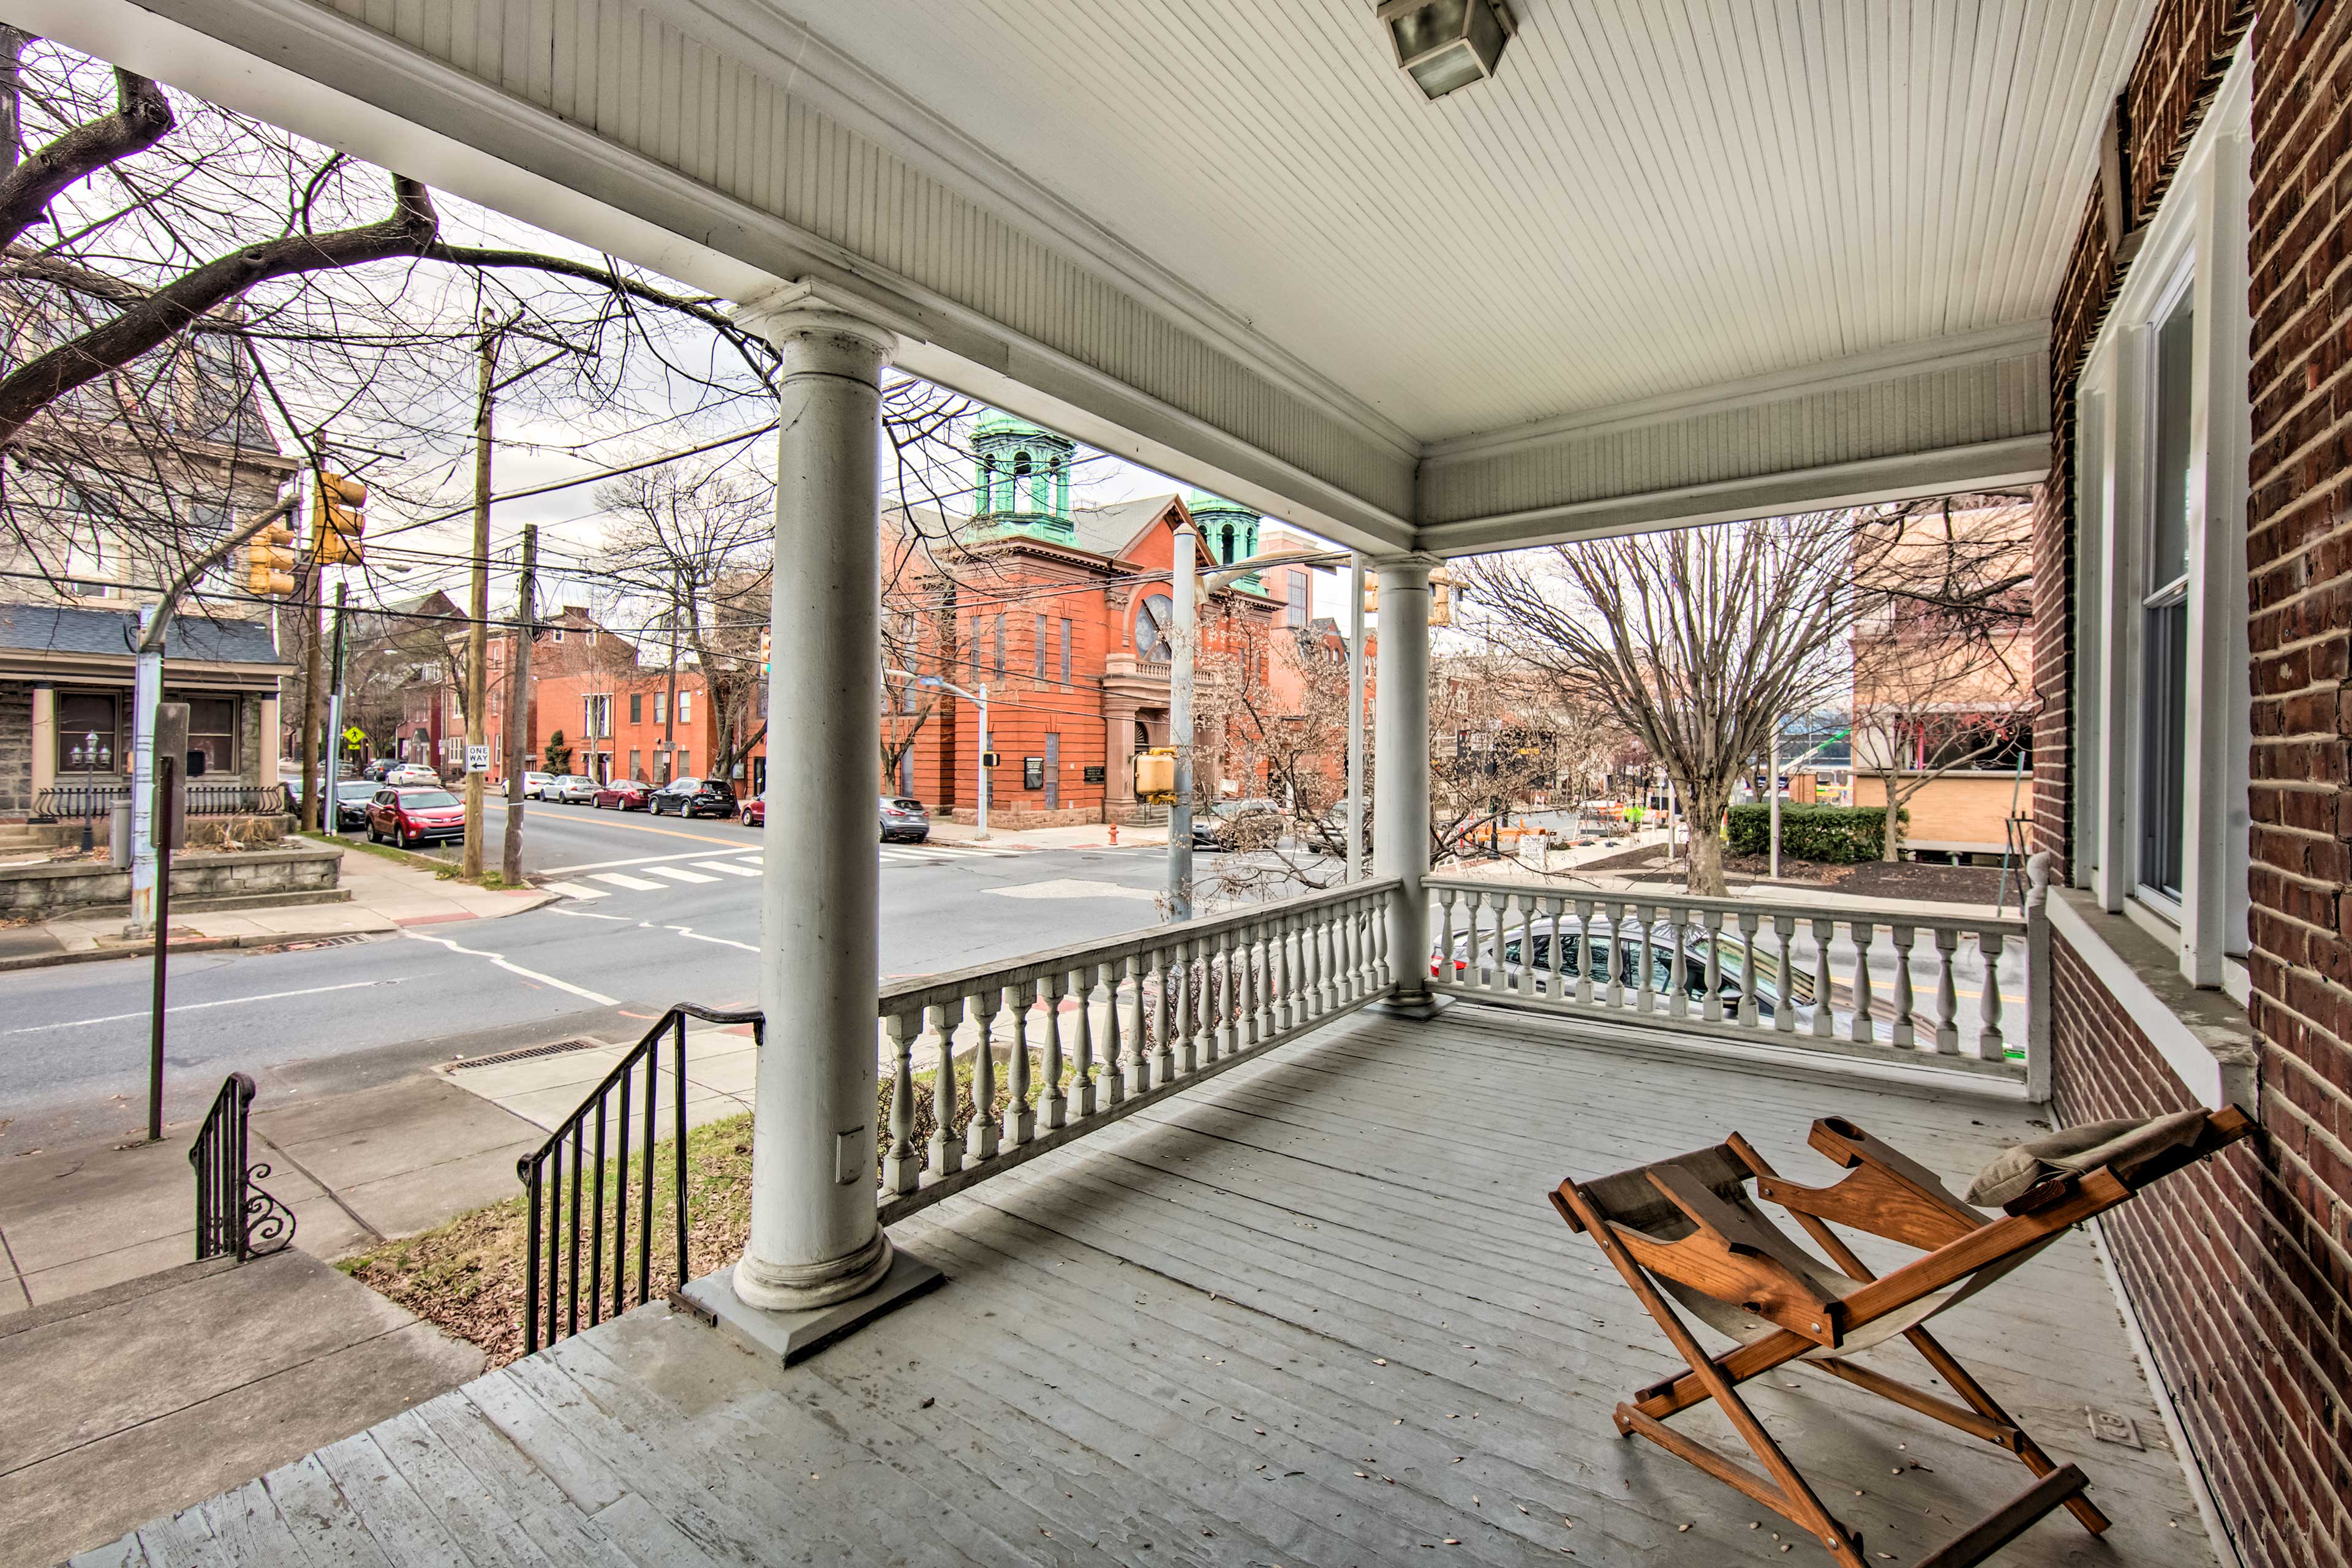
(1316, 1311)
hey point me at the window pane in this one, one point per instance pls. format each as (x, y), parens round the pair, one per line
(80, 715)
(2167, 550)
(212, 729)
(2164, 746)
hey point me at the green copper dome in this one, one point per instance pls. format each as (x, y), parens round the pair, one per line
(1021, 480)
(1228, 531)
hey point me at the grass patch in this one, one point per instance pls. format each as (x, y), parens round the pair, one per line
(468, 1276)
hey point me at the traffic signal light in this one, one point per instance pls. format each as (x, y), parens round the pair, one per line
(1441, 597)
(269, 563)
(336, 521)
(763, 654)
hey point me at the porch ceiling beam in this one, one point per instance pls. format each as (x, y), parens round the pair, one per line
(2013, 462)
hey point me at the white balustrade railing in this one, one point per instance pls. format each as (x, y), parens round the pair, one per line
(1085, 1036)
(1865, 979)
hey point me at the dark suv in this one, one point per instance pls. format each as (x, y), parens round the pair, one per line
(692, 797)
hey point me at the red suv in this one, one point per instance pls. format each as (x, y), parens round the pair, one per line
(754, 812)
(622, 795)
(410, 815)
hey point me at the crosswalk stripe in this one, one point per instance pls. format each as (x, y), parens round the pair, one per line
(728, 866)
(574, 890)
(679, 874)
(751, 859)
(623, 879)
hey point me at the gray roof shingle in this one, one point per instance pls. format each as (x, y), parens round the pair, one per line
(61, 628)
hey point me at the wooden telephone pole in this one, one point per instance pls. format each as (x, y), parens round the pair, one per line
(519, 736)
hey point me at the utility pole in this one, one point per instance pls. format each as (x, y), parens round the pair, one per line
(314, 579)
(331, 816)
(479, 611)
(669, 713)
(1183, 639)
(519, 736)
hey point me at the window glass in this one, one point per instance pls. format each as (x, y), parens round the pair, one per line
(2168, 552)
(80, 715)
(1033, 772)
(212, 729)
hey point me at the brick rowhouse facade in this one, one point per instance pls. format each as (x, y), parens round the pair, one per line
(2240, 1271)
(1053, 609)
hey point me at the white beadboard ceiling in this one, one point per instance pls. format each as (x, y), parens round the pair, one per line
(1650, 198)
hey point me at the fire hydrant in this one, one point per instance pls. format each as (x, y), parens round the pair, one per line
(1114, 835)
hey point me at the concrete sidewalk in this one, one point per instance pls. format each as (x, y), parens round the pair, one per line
(1086, 836)
(356, 1168)
(129, 1402)
(386, 895)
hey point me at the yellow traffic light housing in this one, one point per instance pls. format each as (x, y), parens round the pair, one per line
(1441, 597)
(336, 521)
(1155, 775)
(269, 563)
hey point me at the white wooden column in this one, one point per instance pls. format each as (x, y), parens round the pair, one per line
(814, 1240)
(1401, 769)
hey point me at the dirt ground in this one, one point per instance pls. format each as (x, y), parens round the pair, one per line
(1871, 879)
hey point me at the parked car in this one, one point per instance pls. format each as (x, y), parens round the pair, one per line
(534, 785)
(410, 773)
(1507, 966)
(412, 814)
(692, 797)
(573, 789)
(375, 770)
(754, 812)
(1237, 824)
(622, 795)
(1329, 834)
(903, 818)
(351, 797)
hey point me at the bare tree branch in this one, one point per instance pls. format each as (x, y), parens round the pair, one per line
(142, 118)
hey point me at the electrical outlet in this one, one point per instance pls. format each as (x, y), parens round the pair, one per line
(2109, 1428)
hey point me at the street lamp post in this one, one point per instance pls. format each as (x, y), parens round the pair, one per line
(980, 699)
(88, 756)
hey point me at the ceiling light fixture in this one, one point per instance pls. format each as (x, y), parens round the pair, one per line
(1447, 45)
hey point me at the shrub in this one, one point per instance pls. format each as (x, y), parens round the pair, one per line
(1839, 835)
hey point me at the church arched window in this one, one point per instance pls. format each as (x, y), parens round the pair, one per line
(1019, 472)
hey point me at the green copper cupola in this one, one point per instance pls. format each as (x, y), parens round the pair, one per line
(1021, 480)
(1228, 533)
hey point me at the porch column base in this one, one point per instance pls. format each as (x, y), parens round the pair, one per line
(1420, 1008)
(797, 1334)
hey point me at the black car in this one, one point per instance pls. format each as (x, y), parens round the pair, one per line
(351, 797)
(693, 797)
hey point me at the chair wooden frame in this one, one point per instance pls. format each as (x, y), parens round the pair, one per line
(1732, 1255)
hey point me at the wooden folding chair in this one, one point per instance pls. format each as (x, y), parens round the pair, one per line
(1689, 1228)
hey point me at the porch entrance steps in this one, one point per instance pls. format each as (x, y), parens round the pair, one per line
(152, 1394)
(1316, 1310)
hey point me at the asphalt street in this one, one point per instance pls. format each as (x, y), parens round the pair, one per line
(656, 911)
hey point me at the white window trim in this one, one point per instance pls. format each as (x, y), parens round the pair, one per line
(2196, 243)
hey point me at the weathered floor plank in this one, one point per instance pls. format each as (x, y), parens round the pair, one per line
(1316, 1311)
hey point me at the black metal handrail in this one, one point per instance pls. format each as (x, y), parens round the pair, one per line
(551, 1289)
(61, 802)
(235, 1218)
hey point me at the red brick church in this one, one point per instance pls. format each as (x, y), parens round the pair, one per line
(1062, 613)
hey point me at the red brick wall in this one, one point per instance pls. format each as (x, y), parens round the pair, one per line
(2189, 48)
(2219, 1306)
(2299, 570)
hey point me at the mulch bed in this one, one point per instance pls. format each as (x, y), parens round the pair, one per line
(1870, 879)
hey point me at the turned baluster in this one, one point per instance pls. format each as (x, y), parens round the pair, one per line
(902, 1168)
(1902, 1034)
(1866, 1028)
(980, 1131)
(1018, 1022)
(1948, 1001)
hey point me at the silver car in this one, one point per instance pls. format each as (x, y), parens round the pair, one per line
(1506, 965)
(573, 789)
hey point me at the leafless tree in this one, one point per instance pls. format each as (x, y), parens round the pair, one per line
(1701, 641)
(696, 540)
(1696, 640)
(1942, 650)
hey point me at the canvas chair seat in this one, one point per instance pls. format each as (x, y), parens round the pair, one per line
(1736, 1322)
(1689, 1231)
